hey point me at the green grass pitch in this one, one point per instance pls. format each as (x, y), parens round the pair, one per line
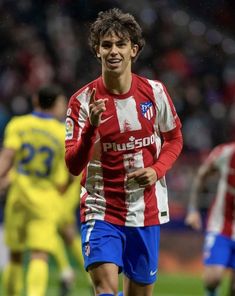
(166, 285)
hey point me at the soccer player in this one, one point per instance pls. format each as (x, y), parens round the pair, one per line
(69, 232)
(34, 148)
(219, 245)
(123, 133)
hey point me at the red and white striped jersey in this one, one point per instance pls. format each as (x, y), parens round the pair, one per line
(128, 138)
(221, 218)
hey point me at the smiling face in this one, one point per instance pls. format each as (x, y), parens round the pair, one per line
(116, 54)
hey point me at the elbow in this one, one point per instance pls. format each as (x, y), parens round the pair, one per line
(181, 145)
(71, 165)
(73, 171)
(179, 142)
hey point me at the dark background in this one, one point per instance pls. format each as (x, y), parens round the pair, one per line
(190, 47)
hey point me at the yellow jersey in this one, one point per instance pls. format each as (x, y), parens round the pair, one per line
(39, 164)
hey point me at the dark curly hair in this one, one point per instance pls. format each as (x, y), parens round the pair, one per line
(118, 22)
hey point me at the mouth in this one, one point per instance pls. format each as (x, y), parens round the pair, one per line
(113, 63)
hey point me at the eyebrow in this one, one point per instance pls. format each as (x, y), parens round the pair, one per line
(118, 41)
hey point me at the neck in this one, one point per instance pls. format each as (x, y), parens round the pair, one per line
(44, 111)
(117, 84)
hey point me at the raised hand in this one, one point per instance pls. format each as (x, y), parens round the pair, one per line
(96, 108)
(194, 220)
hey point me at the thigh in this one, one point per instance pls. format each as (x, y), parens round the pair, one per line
(14, 223)
(102, 242)
(132, 288)
(141, 254)
(104, 277)
(42, 234)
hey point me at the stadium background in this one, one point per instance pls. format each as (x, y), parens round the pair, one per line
(190, 46)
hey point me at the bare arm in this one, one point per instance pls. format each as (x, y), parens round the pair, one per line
(193, 217)
(7, 157)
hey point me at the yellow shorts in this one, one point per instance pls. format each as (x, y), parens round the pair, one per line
(31, 224)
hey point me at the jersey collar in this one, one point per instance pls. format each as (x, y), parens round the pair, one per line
(42, 115)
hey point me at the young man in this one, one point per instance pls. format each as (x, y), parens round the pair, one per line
(219, 246)
(114, 129)
(33, 149)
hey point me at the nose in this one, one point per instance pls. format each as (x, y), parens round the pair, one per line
(114, 49)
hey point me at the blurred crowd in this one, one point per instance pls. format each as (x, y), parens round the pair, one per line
(191, 53)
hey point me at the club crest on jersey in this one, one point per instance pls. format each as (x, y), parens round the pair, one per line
(69, 111)
(87, 249)
(147, 109)
(69, 129)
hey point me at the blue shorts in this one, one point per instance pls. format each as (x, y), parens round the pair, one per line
(133, 249)
(219, 250)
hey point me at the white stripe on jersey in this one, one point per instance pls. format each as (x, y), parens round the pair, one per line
(95, 186)
(84, 99)
(134, 194)
(162, 200)
(127, 115)
(163, 107)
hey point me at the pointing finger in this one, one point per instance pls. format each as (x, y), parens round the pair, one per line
(92, 97)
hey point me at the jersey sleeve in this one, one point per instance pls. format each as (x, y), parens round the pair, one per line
(215, 156)
(167, 118)
(169, 126)
(80, 134)
(11, 135)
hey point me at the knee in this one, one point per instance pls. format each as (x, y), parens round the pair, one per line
(105, 278)
(106, 287)
(212, 280)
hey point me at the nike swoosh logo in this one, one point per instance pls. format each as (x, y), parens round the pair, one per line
(106, 119)
(153, 272)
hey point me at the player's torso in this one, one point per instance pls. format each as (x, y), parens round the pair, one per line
(40, 149)
(222, 213)
(127, 139)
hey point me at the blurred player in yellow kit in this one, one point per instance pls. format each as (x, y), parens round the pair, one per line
(34, 147)
(69, 232)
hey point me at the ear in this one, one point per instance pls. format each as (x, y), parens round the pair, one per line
(97, 52)
(134, 50)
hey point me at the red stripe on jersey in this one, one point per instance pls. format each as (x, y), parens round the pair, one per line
(231, 175)
(228, 215)
(114, 201)
(151, 207)
(229, 200)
